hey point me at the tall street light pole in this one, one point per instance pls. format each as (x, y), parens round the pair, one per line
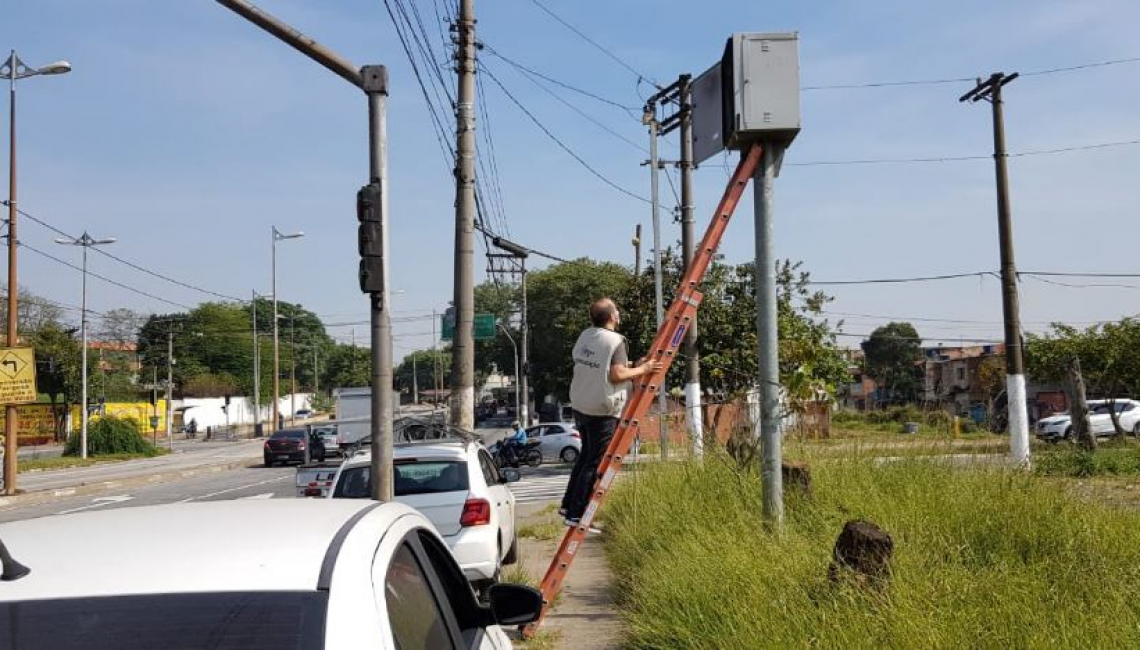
(277, 236)
(86, 241)
(518, 403)
(15, 69)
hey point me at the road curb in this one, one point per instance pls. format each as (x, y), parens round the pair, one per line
(99, 487)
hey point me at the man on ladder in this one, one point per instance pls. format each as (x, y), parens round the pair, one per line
(598, 394)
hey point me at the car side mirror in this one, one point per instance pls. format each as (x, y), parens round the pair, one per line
(515, 604)
(510, 475)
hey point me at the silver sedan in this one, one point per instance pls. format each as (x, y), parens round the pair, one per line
(561, 441)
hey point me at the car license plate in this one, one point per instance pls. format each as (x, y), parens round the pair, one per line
(282, 455)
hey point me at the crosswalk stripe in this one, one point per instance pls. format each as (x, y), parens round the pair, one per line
(540, 488)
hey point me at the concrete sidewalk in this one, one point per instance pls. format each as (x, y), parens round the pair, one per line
(584, 616)
(45, 485)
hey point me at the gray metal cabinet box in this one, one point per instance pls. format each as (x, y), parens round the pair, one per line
(766, 86)
(751, 94)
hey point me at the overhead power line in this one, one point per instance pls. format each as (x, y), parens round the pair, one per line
(559, 142)
(640, 75)
(100, 277)
(131, 264)
(957, 80)
(928, 278)
(945, 159)
(630, 110)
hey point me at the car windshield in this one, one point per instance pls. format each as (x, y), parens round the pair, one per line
(414, 477)
(248, 620)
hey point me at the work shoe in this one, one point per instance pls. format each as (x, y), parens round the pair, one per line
(574, 523)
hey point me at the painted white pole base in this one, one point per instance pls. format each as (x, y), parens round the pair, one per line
(693, 419)
(1018, 420)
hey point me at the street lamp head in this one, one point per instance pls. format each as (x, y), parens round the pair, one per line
(278, 235)
(56, 67)
(108, 240)
(62, 240)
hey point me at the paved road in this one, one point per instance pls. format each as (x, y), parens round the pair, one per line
(196, 455)
(242, 483)
(538, 486)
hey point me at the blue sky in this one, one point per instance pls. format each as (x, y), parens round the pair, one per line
(186, 133)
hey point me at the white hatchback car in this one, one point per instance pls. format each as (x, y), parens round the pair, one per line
(458, 488)
(560, 441)
(304, 574)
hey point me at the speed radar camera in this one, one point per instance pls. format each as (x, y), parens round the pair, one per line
(752, 94)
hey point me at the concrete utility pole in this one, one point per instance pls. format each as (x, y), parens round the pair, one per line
(463, 341)
(650, 119)
(990, 90)
(688, 244)
(767, 339)
(373, 80)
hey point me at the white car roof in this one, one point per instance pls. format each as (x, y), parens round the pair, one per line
(177, 548)
(451, 450)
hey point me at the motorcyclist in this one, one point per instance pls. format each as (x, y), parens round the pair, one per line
(515, 443)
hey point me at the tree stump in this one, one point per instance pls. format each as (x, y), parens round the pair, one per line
(864, 550)
(797, 478)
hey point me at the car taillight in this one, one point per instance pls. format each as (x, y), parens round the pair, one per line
(476, 512)
(575, 434)
(267, 444)
(301, 446)
(312, 492)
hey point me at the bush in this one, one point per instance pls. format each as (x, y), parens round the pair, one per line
(111, 435)
(983, 558)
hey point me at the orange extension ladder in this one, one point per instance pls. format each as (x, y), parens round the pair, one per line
(664, 349)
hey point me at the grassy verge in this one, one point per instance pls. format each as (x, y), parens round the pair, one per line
(983, 558)
(1110, 459)
(63, 462)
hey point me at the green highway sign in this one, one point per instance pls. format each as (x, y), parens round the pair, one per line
(484, 327)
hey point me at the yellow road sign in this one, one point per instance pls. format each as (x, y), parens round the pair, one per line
(17, 376)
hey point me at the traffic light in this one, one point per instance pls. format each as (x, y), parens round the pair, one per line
(368, 211)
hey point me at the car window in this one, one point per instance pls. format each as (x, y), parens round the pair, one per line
(455, 587)
(415, 616)
(294, 434)
(490, 472)
(414, 477)
(256, 619)
(534, 432)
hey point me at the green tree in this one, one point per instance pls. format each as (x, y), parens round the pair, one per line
(892, 352)
(347, 366)
(215, 339)
(1107, 355)
(425, 364)
(559, 300)
(811, 365)
(58, 371)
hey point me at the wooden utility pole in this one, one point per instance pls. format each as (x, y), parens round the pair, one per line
(991, 90)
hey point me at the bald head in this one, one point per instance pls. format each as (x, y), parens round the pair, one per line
(604, 313)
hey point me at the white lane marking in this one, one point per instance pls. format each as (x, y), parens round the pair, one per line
(235, 489)
(267, 495)
(98, 502)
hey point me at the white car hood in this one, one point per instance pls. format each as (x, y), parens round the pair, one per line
(1055, 419)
